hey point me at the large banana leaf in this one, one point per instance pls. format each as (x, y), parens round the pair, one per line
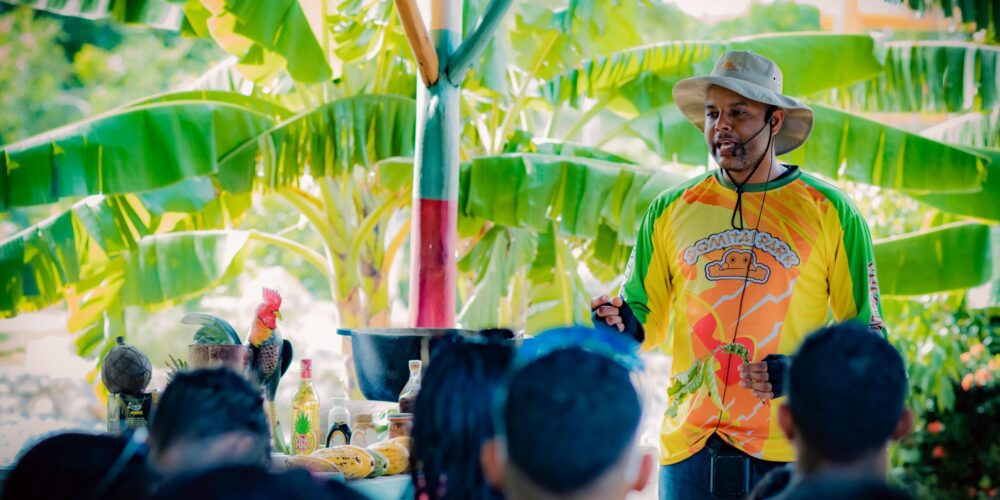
(76, 247)
(579, 193)
(984, 204)
(929, 76)
(833, 61)
(947, 257)
(985, 13)
(981, 130)
(270, 36)
(260, 105)
(130, 150)
(327, 141)
(495, 260)
(843, 145)
(558, 296)
(666, 132)
(164, 14)
(170, 267)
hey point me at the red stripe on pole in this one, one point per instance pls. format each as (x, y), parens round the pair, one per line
(432, 291)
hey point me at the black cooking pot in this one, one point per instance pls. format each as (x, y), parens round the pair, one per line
(382, 355)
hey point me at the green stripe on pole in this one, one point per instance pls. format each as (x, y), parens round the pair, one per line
(438, 130)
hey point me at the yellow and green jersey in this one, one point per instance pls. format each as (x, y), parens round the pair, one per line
(810, 255)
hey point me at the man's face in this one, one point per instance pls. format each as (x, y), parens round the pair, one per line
(731, 119)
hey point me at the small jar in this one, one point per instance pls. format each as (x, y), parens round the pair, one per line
(363, 433)
(400, 424)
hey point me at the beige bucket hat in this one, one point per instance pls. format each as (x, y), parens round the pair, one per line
(755, 77)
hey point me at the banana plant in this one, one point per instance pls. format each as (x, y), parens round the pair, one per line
(332, 132)
(983, 14)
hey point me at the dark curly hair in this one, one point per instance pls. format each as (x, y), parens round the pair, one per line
(452, 416)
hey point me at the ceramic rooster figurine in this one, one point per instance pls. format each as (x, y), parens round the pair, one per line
(270, 356)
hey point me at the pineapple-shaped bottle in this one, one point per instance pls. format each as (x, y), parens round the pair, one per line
(305, 414)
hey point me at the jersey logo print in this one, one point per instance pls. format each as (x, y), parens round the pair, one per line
(737, 264)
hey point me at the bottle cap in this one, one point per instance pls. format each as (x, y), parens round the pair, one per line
(306, 368)
(364, 418)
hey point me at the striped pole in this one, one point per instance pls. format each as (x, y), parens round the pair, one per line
(435, 176)
(435, 179)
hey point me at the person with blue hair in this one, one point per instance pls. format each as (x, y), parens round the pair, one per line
(567, 420)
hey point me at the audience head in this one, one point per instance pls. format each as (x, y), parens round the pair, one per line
(453, 416)
(847, 387)
(840, 488)
(76, 465)
(567, 420)
(249, 482)
(207, 418)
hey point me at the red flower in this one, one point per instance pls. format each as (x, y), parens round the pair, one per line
(967, 381)
(938, 452)
(992, 493)
(966, 357)
(972, 492)
(935, 427)
(982, 376)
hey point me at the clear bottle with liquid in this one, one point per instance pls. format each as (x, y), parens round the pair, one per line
(408, 396)
(305, 414)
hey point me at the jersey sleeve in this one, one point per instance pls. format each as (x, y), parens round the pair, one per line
(854, 292)
(646, 287)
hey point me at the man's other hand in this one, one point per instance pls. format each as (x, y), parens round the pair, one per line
(607, 309)
(754, 376)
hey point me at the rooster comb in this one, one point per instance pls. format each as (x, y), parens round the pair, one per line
(272, 298)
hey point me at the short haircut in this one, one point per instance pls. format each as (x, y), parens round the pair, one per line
(207, 403)
(247, 482)
(453, 417)
(568, 417)
(840, 488)
(72, 465)
(847, 387)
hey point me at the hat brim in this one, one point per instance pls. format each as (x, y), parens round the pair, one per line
(690, 95)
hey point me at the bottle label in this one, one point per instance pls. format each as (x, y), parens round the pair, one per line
(303, 434)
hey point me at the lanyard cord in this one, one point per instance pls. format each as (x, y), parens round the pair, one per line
(746, 277)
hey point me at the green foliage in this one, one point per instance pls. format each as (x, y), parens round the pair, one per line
(982, 14)
(954, 453)
(779, 16)
(55, 70)
(30, 46)
(702, 374)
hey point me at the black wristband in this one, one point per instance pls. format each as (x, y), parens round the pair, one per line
(632, 325)
(777, 367)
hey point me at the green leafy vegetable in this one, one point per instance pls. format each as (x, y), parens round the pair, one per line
(701, 373)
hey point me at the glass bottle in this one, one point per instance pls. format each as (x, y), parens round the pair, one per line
(305, 414)
(339, 418)
(408, 396)
(363, 433)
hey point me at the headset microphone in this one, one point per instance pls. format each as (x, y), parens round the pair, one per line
(768, 122)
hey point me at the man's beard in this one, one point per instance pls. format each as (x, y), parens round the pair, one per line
(738, 162)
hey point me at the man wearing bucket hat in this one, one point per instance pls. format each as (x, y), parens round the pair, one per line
(755, 253)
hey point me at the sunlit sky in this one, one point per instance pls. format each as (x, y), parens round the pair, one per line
(712, 7)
